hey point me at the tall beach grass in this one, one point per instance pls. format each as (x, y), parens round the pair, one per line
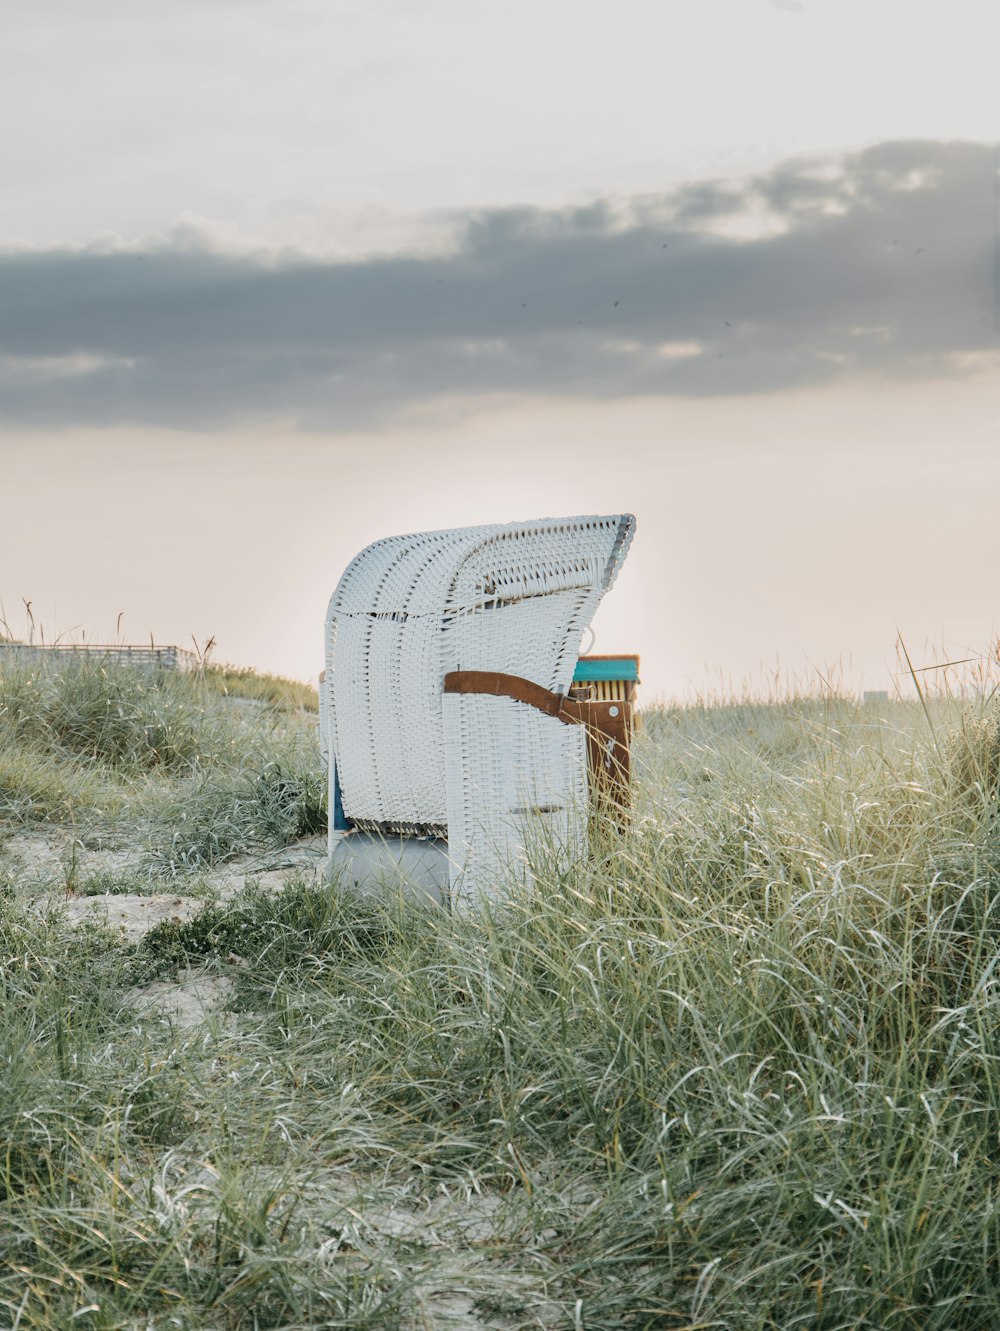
(739, 1070)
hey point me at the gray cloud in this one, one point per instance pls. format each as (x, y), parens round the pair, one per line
(878, 262)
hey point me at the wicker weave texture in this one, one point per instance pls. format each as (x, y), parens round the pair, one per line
(517, 786)
(407, 610)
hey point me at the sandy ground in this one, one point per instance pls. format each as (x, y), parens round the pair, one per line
(449, 1234)
(47, 864)
(186, 1002)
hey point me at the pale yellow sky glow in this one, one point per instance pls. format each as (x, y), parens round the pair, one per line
(745, 557)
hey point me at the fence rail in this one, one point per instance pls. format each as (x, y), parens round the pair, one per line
(140, 658)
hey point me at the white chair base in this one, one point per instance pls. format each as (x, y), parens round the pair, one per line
(370, 862)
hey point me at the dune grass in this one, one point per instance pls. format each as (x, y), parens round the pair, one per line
(242, 682)
(166, 758)
(741, 1070)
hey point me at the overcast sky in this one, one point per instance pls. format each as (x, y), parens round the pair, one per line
(277, 279)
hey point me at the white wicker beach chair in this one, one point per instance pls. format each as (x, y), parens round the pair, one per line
(483, 758)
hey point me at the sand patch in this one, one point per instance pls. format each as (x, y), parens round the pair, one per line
(186, 1002)
(270, 871)
(134, 915)
(47, 866)
(48, 858)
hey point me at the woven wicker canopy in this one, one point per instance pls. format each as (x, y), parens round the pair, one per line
(409, 610)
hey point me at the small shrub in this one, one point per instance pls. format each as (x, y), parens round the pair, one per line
(972, 754)
(110, 882)
(271, 930)
(227, 815)
(105, 713)
(38, 787)
(283, 694)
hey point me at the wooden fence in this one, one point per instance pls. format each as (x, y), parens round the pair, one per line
(139, 658)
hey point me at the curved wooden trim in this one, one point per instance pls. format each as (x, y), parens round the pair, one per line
(510, 686)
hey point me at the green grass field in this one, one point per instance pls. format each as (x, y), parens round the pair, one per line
(740, 1071)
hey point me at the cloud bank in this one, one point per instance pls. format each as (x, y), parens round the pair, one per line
(880, 262)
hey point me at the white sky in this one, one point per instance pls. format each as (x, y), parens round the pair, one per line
(322, 120)
(798, 525)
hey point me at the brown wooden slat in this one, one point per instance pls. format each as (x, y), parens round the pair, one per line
(609, 724)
